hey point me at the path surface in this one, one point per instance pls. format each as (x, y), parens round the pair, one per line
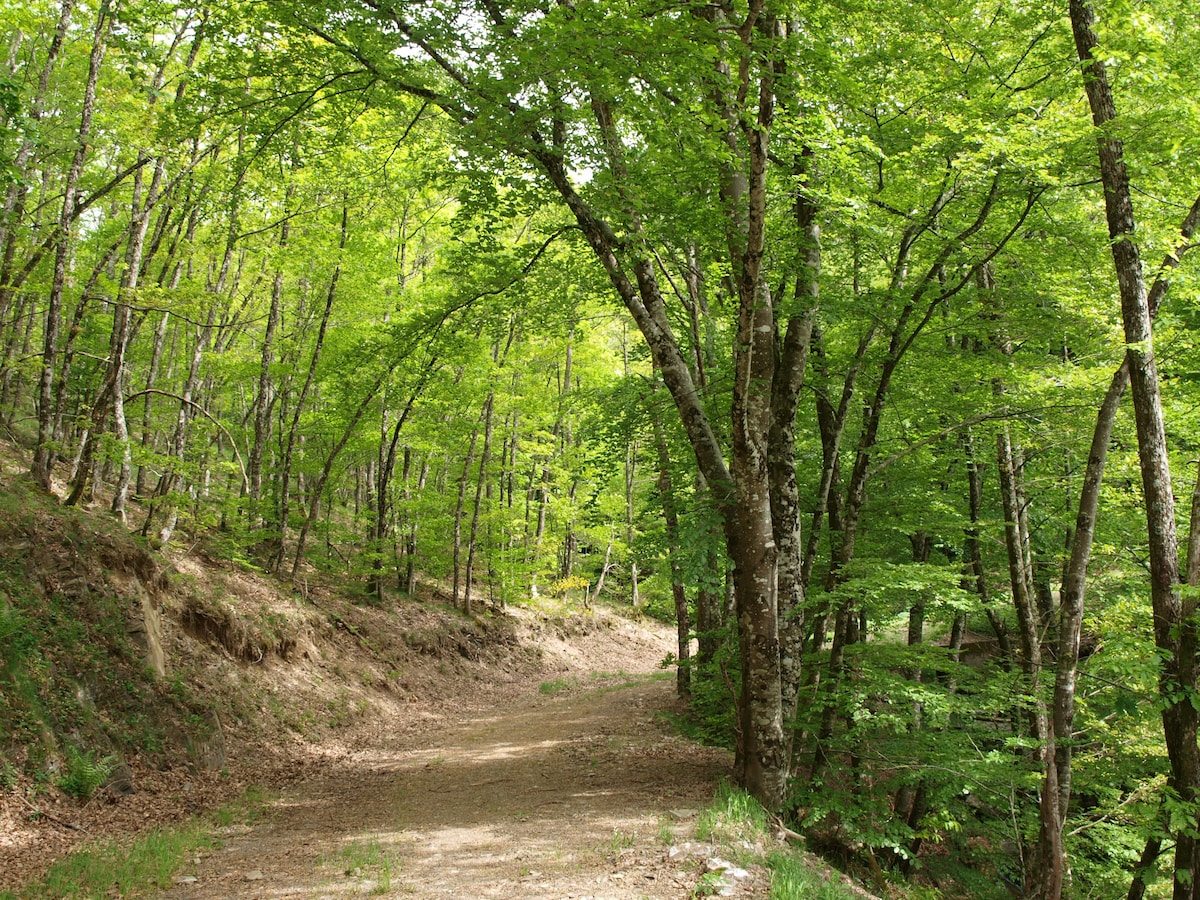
(573, 796)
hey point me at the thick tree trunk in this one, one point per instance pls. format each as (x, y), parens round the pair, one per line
(781, 457)
(743, 496)
(1174, 616)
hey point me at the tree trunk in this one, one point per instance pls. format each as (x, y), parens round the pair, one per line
(666, 494)
(276, 563)
(743, 494)
(15, 196)
(263, 400)
(123, 323)
(410, 540)
(1174, 616)
(171, 480)
(788, 380)
(484, 459)
(459, 511)
(44, 451)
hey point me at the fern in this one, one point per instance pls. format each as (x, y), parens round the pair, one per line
(85, 774)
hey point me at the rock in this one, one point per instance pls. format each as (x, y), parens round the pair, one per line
(728, 874)
(120, 781)
(256, 875)
(690, 850)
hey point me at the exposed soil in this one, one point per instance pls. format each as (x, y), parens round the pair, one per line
(583, 794)
(411, 751)
(408, 750)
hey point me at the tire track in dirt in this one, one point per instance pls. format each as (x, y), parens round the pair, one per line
(573, 796)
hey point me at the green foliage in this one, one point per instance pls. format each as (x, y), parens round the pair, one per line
(710, 716)
(144, 865)
(148, 864)
(557, 686)
(71, 681)
(738, 824)
(368, 859)
(84, 773)
(793, 878)
(457, 284)
(732, 816)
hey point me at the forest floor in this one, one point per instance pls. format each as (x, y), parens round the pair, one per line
(403, 749)
(533, 757)
(582, 794)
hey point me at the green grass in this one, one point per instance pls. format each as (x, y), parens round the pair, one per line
(794, 879)
(621, 841)
(733, 817)
(106, 868)
(145, 866)
(367, 859)
(738, 824)
(604, 682)
(557, 686)
(666, 834)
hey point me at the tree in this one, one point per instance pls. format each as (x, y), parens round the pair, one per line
(1174, 625)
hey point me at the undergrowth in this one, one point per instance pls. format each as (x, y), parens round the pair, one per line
(76, 694)
(110, 869)
(739, 826)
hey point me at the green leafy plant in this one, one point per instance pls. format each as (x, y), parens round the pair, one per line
(139, 868)
(733, 816)
(709, 885)
(84, 773)
(793, 879)
(621, 841)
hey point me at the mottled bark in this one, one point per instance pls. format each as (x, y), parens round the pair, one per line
(790, 370)
(1174, 624)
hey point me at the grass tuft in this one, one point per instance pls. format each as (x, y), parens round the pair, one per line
(108, 869)
(738, 824)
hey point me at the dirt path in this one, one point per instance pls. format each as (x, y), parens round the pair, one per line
(570, 796)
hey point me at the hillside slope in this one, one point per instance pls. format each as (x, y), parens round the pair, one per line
(138, 687)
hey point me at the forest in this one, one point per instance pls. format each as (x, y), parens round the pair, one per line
(857, 340)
